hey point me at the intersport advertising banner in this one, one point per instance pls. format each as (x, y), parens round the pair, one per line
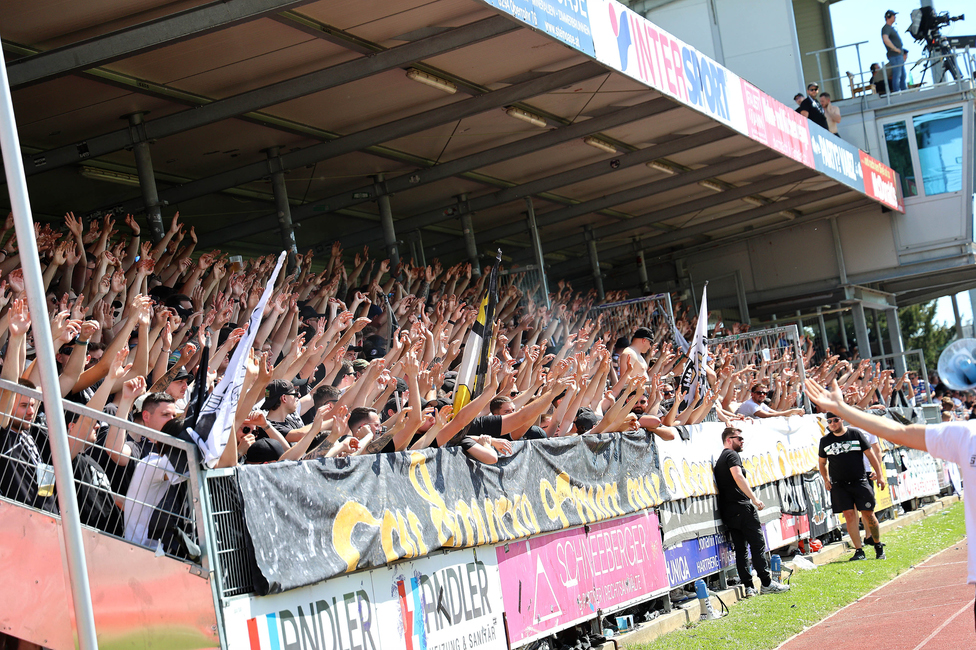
(315, 520)
(628, 42)
(557, 580)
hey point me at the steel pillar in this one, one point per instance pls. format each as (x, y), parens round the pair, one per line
(594, 261)
(894, 338)
(841, 322)
(147, 179)
(877, 330)
(540, 259)
(645, 285)
(823, 330)
(838, 251)
(955, 312)
(470, 244)
(386, 222)
(282, 208)
(74, 549)
(861, 331)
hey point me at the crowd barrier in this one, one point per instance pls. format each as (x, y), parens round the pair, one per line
(451, 554)
(654, 312)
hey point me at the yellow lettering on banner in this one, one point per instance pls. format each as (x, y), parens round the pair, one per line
(688, 482)
(395, 524)
(583, 498)
(636, 496)
(783, 457)
(490, 518)
(440, 515)
(350, 514)
(600, 504)
(473, 522)
(654, 490)
(414, 522)
(669, 468)
(503, 506)
(520, 530)
(528, 515)
(612, 495)
(553, 498)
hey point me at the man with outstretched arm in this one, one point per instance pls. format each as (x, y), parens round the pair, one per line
(952, 441)
(739, 508)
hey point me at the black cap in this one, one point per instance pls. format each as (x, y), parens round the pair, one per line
(264, 450)
(277, 388)
(585, 420)
(621, 343)
(308, 312)
(890, 13)
(829, 415)
(643, 333)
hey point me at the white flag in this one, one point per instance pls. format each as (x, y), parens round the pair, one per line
(215, 423)
(693, 379)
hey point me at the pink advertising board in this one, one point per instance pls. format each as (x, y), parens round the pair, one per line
(557, 580)
(777, 126)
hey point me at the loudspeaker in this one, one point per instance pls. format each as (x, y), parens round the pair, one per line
(957, 365)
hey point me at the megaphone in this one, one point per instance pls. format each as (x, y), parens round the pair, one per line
(957, 365)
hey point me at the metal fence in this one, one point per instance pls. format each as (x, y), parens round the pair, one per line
(620, 319)
(148, 498)
(912, 362)
(772, 351)
(233, 560)
(528, 279)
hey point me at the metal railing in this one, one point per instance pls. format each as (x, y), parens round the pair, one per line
(233, 559)
(130, 499)
(777, 348)
(622, 318)
(908, 361)
(864, 86)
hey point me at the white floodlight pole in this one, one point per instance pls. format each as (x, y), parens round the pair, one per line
(57, 430)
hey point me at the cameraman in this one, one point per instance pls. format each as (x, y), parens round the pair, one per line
(896, 52)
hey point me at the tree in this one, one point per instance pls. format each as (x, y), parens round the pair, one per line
(919, 331)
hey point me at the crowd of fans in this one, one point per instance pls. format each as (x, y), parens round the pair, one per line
(328, 376)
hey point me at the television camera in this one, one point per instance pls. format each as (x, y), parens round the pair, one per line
(925, 29)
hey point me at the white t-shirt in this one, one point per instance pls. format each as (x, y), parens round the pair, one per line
(151, 478)
(749, 407)
(956, 442)
(871, 438)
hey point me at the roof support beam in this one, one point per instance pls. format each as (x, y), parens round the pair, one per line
(631, 194)
(274, 94)
(143, 37)
(659, 241)
(555, 181)
(441, 171)
(382, 133)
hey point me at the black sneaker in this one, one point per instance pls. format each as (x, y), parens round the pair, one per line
(879, 553)
(868, 541)
(858, 555)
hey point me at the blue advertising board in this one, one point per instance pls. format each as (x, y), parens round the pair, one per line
(565, 20)
(838, 159)
(697, 558)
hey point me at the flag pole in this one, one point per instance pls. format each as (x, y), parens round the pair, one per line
(57, 430)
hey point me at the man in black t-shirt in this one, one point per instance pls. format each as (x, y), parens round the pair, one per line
(739, 509)
(847, 483)
(811, 109)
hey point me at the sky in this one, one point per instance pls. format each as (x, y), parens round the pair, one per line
(861, 20)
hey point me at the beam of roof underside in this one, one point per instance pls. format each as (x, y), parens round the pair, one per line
(445, 170)
(726, 240)
(376, 135)
(702, 204)
(273, 94)
(140, 38)
(546, 184)
(626, 196)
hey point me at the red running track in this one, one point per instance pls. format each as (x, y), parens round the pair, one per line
(929, 607)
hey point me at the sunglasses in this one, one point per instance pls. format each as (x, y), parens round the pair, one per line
(735, 437)
(833, 419)
(760, 392)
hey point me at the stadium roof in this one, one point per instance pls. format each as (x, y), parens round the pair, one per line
(445, 106)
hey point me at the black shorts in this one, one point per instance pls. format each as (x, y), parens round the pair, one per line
(848, 496)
